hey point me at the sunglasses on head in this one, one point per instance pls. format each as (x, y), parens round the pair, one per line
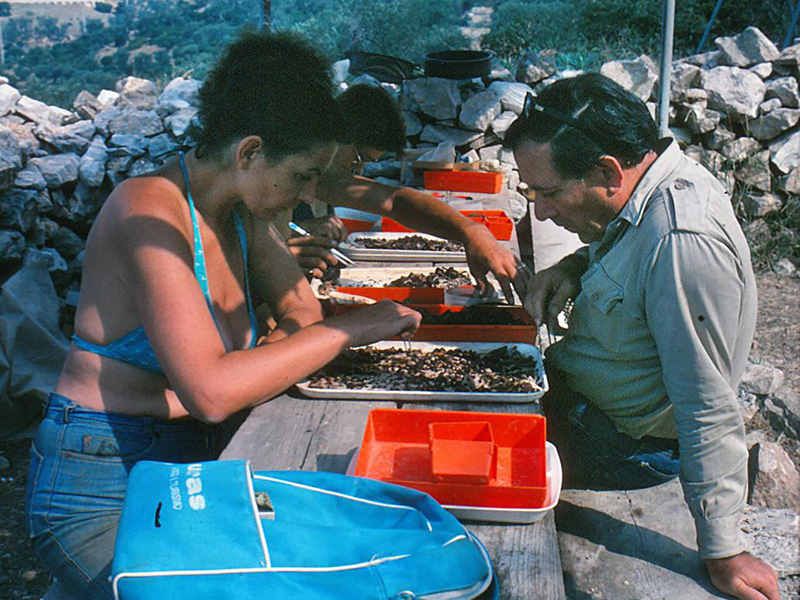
(530, 108)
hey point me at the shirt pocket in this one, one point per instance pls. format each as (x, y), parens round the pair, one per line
(599, 308)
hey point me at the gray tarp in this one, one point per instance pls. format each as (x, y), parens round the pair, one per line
(32, 346)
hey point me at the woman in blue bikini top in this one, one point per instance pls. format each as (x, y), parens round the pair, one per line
(177, 260)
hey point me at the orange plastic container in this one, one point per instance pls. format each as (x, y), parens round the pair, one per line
(356, 225)
(464, 181)
(523, 334)
(405, 295)
(462, 452)
(401, 446)
(496, 221)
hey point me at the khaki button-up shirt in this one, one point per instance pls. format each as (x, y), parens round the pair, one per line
(660, 333)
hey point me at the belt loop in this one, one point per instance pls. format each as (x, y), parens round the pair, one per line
(67, 410)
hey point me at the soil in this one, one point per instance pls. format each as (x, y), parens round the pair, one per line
(445, 277)
(23, 577)
(411, 242)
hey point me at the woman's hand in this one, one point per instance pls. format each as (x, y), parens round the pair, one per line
(313, 252)
(376, 322)
(484, 255)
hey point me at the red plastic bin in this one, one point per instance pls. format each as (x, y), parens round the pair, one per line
(496, 221)
(483, 182)
(397, 448)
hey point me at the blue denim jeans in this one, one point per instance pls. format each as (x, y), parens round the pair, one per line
(594, 455)
(80, 460)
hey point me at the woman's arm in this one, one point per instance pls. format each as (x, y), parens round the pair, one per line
(156, 256)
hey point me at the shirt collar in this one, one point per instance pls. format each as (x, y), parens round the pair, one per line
(665, 163)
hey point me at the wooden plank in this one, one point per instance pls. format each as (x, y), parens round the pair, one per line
(302, 434)
(525, 557)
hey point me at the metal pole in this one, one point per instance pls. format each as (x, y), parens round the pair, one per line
(708, 27)
(266, 9)
(667, 33)
(790, 34)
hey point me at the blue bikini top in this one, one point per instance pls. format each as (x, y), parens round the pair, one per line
(134, 347)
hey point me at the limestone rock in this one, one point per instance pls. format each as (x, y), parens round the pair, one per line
(8, 99)
(437, 133)
(160, 146)
(340, 69)
(500, 74)
(771, 534)
(768, 106)
(761, 379)
(535, 66)
(107, 98)
(789, 58)
(501, 124)
(87, 105)
(747, 48)
(179, 121)
(785, 396)
(66, 138)
(92, 167)
(10, 150)
(433, 96)
(127, 143)
(740, 148)
(180, 93)
(754, 173)
(684, 77)
(700, 120)
(791, 185)
(704, 60)
(142, 166)
(774, 123)
(413, 124)
(137, 122)
(58, 169)
(67, 243)
(711, 160)
(717, 138)
(786, 90)
(30, 177)
(734, 91)
(761, 205)
(786, 151)
(776, 482)
(18, 210)
(39, 112)
(12, 246)
(135, 93)
(512, 95)
(104, 118)
(763, 70)
(480, 110)
(638, 76)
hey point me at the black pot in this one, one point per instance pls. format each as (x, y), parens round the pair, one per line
(458, 64)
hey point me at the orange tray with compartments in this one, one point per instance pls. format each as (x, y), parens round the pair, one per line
(483, 182)
(496, 221)
(460, 458)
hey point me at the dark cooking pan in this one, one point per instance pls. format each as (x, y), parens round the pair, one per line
(458, 64)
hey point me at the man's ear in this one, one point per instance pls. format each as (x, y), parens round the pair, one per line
(608, 173)
(247, 150)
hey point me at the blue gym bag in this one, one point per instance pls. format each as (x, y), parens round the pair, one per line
(216, 530)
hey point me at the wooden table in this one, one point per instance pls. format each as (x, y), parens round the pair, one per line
(297, 433)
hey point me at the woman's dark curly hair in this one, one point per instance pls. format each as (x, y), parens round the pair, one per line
(584, 118)
(275, 86)
(371, 118)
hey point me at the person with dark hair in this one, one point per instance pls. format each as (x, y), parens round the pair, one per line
(644, 380)
(167, 345)
(373, 126)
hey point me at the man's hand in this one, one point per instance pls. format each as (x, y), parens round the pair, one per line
(313, 252)
(744, 576)
(548, 291)
(484, 255)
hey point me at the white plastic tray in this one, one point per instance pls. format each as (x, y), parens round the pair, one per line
(522, 516)
(357, 252)
(537, 369)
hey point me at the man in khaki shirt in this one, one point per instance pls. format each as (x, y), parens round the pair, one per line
(664, 313)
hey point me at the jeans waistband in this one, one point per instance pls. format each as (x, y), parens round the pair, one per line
(61, 409)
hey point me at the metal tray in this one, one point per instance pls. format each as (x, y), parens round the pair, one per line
(530, 350)
(352, 249)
